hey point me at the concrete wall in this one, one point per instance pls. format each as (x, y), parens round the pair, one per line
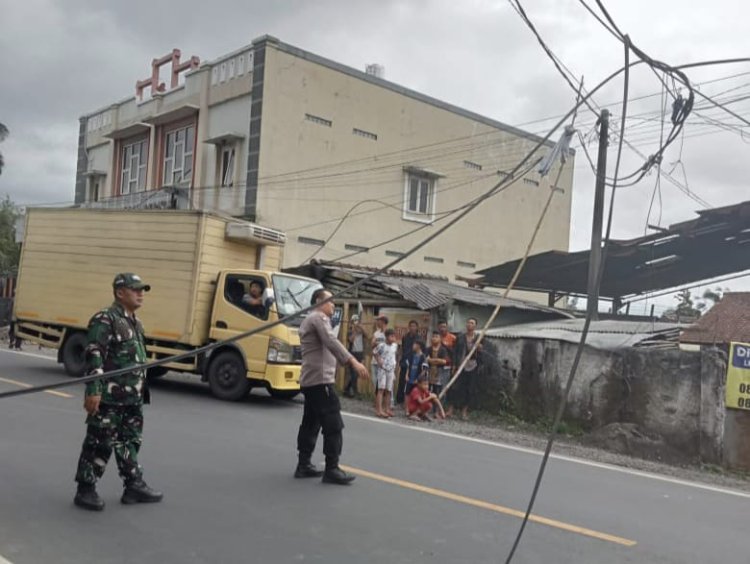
(467, 152)
(231, 116)
(351, 167)
(220, 92)
(674, 398)
(736, 443)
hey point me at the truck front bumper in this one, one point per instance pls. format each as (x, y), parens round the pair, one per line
(283, 376)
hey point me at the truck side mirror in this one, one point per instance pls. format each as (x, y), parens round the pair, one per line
(268, 298)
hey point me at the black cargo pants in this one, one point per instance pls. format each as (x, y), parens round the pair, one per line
(322, 411)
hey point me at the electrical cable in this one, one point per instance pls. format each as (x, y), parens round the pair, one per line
(522, 263)
(341, 222)
(264, 327)
(215, 187)
(681, 113)
(444, 215)
(599, 19)
(657, 183)
(587, 322)
(677, 126)
(399, 204)
(516, 5)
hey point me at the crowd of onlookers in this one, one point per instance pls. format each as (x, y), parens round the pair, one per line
(412, 374)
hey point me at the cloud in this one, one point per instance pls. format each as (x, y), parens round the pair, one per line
(61, 60)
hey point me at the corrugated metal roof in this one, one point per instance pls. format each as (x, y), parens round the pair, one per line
(426, 291)
(431, 293)
(605, 334)
(711, 245)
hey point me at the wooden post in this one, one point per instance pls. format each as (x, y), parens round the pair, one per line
(595, 256)
(341, 372)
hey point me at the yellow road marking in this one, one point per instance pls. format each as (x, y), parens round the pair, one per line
(492, 507)
(25, 385)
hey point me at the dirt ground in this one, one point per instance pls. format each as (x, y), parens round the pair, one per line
(490, 428)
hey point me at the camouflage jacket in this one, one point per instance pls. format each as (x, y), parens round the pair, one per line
(116, 341)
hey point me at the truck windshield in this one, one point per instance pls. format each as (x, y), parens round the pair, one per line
(292, 295)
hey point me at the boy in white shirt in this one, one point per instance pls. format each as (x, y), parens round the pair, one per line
(385, 357)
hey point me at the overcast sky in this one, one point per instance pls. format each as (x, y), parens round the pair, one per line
(62, 59)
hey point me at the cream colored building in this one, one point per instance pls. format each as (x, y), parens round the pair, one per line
(341, 160)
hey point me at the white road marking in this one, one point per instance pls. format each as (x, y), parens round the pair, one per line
(33, 355)
(4, 560)
(572, 459)
(25, 385)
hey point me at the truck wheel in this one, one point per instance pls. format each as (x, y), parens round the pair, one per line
(73, 354)
(284, 394)
(156, 372)
(227, 377)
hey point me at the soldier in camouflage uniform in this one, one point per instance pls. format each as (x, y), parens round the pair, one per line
(115, 405)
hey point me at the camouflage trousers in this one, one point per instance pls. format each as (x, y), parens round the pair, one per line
(114, 427)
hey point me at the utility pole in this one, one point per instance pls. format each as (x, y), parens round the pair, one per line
(595, 258)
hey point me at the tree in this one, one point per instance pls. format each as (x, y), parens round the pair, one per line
(684, 302)
(9, 249)
(4, 132)
(710, 298)
(685, 310)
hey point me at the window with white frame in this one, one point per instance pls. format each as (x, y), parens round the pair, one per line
(226, 165)
(134, 162)
(419, 200)
(178, 156)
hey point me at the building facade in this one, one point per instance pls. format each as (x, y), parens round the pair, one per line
(343, 161)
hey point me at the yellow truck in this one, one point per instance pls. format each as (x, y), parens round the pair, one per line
(200, 267)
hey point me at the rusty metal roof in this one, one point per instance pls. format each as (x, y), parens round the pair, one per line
(423, 290)
(714, 244)
(432, 293)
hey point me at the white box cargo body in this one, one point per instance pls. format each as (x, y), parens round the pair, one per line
(71, 256)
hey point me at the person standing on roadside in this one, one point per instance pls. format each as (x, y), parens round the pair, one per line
(321, 349)
(378, 337)
(447, 338)
(407, 344)
(356, 339)
(437, 360)
(461, 393)
(115, 406)
(385, 353)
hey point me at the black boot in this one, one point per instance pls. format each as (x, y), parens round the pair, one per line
(336, 475)
(139, 492)
(87, 498)
(307, 470)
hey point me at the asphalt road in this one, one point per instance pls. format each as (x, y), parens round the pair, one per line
(421, 496)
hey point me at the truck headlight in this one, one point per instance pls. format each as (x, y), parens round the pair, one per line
(280, 352)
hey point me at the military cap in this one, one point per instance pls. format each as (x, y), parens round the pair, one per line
(130, 280)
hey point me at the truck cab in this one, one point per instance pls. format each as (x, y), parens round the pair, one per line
(245, 300)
